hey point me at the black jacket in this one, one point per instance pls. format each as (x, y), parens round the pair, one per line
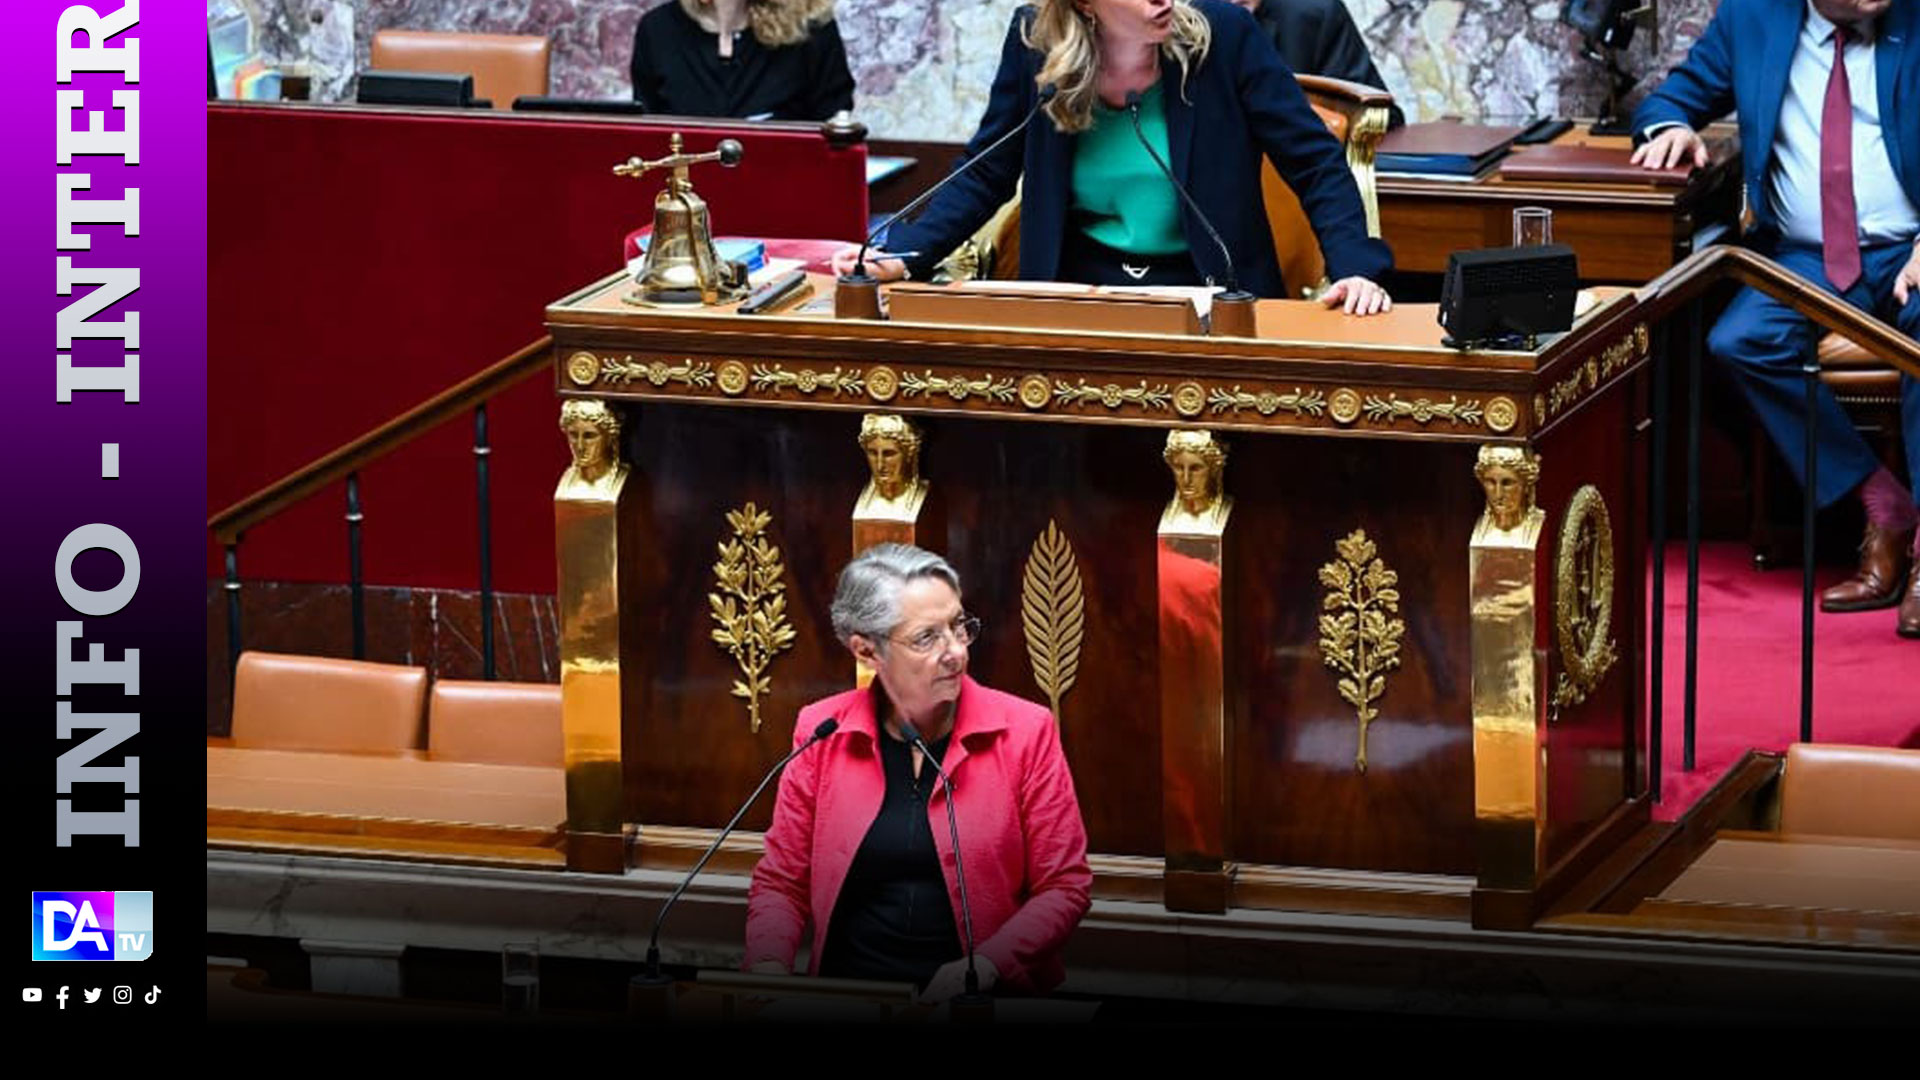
(677, 70)
(1318, 37)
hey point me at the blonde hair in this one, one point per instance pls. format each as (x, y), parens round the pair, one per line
(1071, 50)
(774, 22)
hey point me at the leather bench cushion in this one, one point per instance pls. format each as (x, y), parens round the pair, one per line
(1838, 790)
(502, 723)
(286, 702)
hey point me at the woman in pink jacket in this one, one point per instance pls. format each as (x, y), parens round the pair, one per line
(859, 844)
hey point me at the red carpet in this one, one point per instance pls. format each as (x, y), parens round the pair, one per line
(1866, 680)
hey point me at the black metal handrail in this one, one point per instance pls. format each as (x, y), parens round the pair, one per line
(345, 462)
(1686, 285)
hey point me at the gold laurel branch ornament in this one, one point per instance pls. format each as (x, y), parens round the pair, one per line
(1360, 630)
(1053, 613)
(750, 610)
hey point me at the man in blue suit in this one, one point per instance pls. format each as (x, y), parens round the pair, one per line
(1833, 180)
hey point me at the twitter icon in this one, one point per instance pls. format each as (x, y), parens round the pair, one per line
(91, 995)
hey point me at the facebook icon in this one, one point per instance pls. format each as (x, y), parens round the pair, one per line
(92, 925)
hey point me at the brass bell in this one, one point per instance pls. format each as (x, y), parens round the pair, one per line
(681, 265)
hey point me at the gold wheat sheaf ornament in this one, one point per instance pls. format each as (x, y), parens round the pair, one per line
(1359, 631)
(1053, 613)
(750, 610)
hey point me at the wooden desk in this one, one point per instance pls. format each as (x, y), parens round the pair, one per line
(1343, 431)
(1622, 233)
(1785, 870)
(384, 804)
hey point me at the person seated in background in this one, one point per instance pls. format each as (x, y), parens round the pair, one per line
(1318, 37)
(1833, 177)
(756, 59)
(859, 846)
(1195, 81)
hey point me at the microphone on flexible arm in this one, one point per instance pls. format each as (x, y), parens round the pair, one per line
(654, 980)
(972, 1005)
(1232, 309)
(857, 295)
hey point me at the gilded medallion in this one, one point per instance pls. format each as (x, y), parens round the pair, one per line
(1189, 398)
(1502, 414)
(1344, 405)
(583, 368)
(1036, 391)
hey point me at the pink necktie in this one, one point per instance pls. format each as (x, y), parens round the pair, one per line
(1839, 225)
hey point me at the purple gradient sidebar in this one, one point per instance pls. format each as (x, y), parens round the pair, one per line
(104, 460)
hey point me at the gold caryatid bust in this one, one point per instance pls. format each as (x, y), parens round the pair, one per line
(1508, 475)
(593, 435)
(895, 489)
(1199, 505)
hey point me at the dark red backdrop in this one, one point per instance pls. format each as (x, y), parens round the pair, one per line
(361, 260)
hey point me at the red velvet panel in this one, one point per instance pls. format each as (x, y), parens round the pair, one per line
(362, 260)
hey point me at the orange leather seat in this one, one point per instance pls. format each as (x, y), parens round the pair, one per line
(1831, 790)
(283, 702)
(503, 66)
(500, 723)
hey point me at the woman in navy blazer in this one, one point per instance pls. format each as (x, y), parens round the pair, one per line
(1228, 98)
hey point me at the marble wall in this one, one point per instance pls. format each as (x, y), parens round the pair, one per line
(923, 66)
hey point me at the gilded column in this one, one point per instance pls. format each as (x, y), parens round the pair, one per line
(1193, 722)
(1509, 706)
(586, 514)
(888, 510)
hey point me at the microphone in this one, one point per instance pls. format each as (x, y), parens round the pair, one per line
(1233, 279)
(1047, 93)
(653, 977)
(972, 999)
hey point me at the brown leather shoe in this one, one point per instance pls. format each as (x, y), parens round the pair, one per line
(1883, 569)
(1910, 607)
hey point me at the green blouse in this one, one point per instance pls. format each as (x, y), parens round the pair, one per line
(1120, 197)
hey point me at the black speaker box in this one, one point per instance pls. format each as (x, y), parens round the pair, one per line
(1503, 292)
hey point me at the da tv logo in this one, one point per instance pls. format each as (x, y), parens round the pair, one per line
(92, 925)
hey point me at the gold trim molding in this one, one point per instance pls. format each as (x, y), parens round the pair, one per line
(750, 609)
(627, 370)
(1329, 407)
(957, 387)
(1266, 402)
(1583, 598)
(1384, 410)
(840, 381)
(1053, 614)
(1591, 374)
(1360, 631)
(1113, 396)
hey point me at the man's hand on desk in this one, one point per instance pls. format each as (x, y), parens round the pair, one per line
(882, 266)
(1908, 283)
(1672, 146)
(1360, 296)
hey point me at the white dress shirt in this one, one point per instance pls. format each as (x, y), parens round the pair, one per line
(1793, 183)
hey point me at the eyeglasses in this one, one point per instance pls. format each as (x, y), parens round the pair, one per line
(964, 630)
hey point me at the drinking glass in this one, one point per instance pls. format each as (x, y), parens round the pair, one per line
(1532, 226)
